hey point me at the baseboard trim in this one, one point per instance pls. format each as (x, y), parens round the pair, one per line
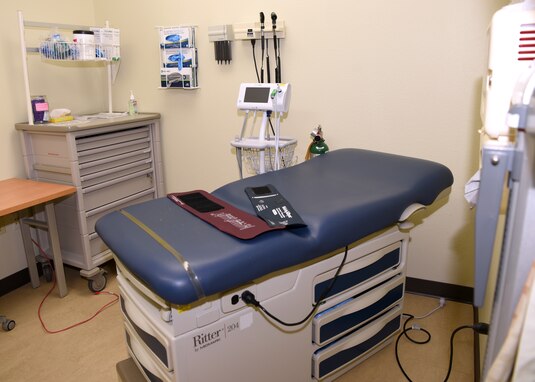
(437, 289)
(477, 360)
(16, 280)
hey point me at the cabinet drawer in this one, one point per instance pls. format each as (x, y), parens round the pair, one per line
(352, 347)
(359, 271)
(55, 174)
(344, 317)
(113, 150)
(96, 245)
(108, 192)
(92, 142)
(115, 172)
(52, 146)
(105, 164)
(95, 214)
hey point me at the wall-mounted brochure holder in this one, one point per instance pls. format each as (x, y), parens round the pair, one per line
(178, 57)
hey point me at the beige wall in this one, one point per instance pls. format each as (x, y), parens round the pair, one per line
(64, 85)
(401, 77)
(12, 98)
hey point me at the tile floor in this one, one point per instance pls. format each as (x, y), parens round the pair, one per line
(91, 351)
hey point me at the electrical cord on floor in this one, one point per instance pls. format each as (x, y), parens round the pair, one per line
(441, 304)
(249, 298)
(481, 328)
(115, 299)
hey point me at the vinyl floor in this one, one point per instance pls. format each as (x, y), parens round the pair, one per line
(90, 352)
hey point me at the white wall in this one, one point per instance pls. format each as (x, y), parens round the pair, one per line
(401, 77)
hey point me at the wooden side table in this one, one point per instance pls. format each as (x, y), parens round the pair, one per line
(19, 194)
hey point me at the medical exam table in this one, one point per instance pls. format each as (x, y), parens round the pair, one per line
(181, 280)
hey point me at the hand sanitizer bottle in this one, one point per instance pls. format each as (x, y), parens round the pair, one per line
(132, 104)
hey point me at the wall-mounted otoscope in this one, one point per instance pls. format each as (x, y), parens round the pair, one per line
(267, 56)
(263, 45)
(277, 50)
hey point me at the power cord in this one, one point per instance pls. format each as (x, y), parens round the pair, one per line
(253, 43)
(250, 299)
(441, 304)
(480, 327)
(100, 310)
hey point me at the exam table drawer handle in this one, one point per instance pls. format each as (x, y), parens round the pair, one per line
(340, 319)
(359, 271)
(352, 347)
(147, 335)
(143, 357)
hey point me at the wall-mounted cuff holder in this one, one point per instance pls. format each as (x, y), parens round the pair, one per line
(221, 36)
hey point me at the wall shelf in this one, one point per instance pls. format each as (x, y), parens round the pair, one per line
(106, 48)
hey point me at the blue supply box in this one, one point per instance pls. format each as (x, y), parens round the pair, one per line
(177, 37)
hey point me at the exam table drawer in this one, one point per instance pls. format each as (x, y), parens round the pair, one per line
(349, 349)
(144, 359)
(150, 336)
(344, 317)
(358, 271)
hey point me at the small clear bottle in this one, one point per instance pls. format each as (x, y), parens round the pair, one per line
(132, 104)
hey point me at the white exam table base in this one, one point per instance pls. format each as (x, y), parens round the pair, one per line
(218, 340)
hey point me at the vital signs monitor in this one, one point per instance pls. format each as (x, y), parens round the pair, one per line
(265, 97)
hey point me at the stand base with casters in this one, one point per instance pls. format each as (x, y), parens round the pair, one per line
(96, 279)
(7, 324)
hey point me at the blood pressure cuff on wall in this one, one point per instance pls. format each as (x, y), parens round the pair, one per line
(273, 208)
(223, 216)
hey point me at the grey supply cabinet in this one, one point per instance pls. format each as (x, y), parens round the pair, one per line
(112, 163)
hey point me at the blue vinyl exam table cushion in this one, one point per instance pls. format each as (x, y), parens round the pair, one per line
(342, 196)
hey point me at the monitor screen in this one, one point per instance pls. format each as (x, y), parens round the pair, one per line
(257, 95)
